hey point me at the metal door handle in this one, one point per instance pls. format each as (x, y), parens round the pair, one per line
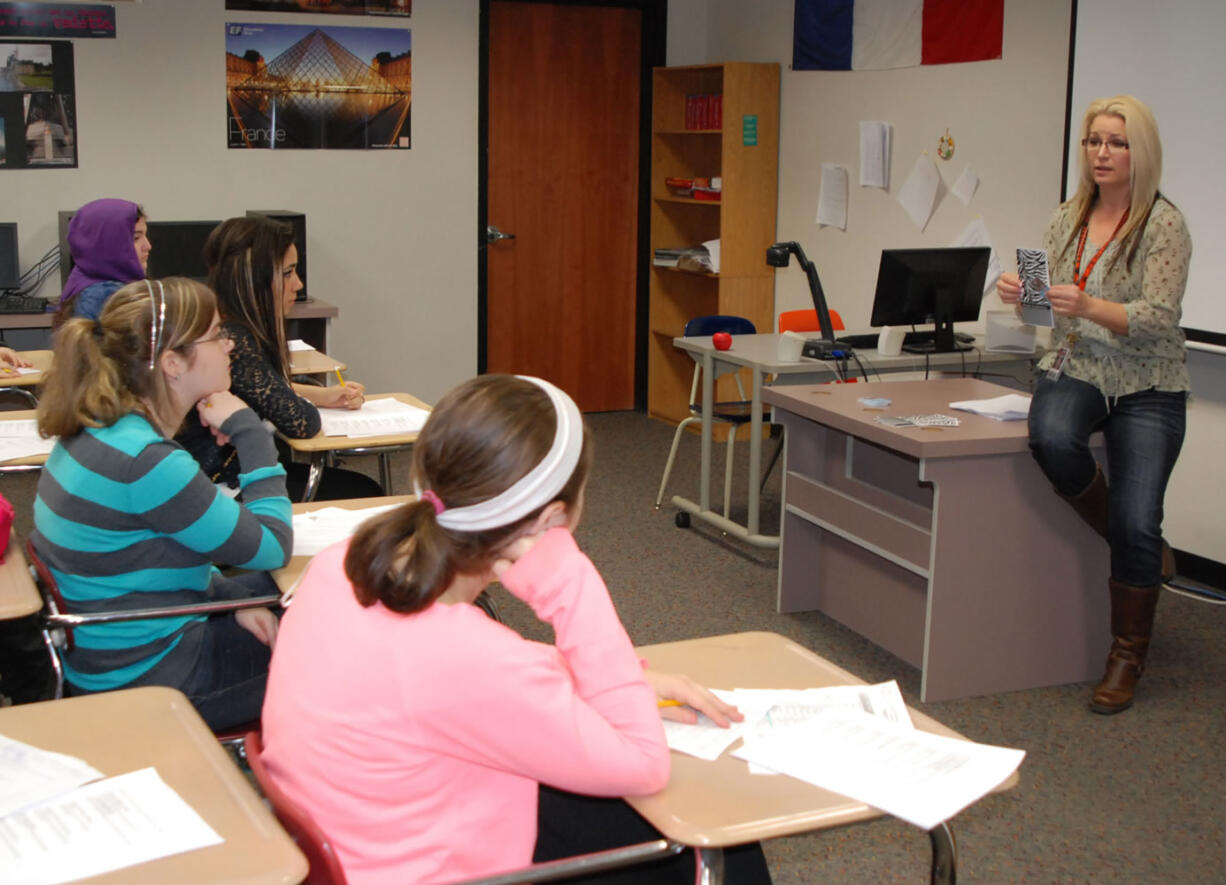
(493, 235)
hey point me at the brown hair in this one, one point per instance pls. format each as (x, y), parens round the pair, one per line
(101, 368)
(244, 259)
(481, 438)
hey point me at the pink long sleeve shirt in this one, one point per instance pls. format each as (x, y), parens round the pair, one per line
(417, 741)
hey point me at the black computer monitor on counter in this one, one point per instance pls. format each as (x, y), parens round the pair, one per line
(916, 287)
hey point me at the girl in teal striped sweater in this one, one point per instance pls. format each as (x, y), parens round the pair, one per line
(124, 517)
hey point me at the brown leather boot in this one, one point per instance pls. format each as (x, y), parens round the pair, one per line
(1132, 624)
(1091, 505)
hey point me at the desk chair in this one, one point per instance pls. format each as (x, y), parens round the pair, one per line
(734, 413)
(806, 321)
(325, 866)
(57, 623)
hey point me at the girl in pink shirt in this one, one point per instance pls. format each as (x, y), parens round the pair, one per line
(417, 731)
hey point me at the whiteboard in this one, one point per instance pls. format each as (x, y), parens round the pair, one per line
(1170, 55)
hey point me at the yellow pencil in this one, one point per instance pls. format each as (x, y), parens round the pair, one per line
(338, 377)
(669, 702)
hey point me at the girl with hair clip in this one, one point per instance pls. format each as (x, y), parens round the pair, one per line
(109, 242)
(125, 519)
(253, 268)
(1119, 263)
(418, 732)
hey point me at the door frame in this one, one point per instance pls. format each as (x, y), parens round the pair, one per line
(652, 54)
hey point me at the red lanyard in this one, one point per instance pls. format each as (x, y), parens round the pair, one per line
(1078, 277)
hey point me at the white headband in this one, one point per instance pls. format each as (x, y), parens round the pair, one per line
(534, 489)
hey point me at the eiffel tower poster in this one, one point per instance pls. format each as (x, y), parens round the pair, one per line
(300, 87)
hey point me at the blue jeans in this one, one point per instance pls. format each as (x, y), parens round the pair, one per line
(1143, 431)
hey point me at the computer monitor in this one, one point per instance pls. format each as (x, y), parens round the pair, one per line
(10, 266)
(178, 249)
(939, 286)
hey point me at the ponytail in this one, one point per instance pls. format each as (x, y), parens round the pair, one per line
(84, 387)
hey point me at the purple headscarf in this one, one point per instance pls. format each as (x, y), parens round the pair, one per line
(100, 239)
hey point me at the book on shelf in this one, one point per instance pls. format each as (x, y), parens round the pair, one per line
(704, 111)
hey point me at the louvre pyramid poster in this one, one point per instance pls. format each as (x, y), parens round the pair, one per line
(301, 87)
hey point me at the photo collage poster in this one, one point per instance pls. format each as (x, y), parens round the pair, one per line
(307, 87)
(38, 117)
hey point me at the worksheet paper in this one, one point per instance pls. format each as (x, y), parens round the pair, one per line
(316, 530)
(378, 417)
(103, 826)
(832, 198)
(29, 774)
(919, 777)
(767, 710)
(1009, 407)
(17, 370)
(874, 154)
(20, 439)
(964, 188)
(918, 195)
(296, 344)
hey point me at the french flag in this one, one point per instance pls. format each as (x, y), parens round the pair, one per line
(870, 35)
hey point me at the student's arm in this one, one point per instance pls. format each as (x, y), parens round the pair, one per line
(253, 378)
(180, 501)
(580, 716)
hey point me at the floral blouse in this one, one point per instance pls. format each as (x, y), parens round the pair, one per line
(1151, 355)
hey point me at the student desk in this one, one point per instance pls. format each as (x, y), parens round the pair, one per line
(18, 595)
(759, 354)
(122, 731)
(715, 805)
(23, 385)
(289, 573)
(313, 362)
(945, 546)
(320, 446)
(30, 462)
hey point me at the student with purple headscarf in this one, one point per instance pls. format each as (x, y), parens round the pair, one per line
(110, 247)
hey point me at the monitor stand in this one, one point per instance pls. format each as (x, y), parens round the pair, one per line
(942, 341)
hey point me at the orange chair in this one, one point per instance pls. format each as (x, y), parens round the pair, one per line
(806, 321)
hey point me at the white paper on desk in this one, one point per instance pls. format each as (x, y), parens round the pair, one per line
(296, 344)
(918, 195)
(964, 188)
(316, 530)
(874, 154)
(712, 247)
(832, 198)
(976, 234)
(103, 826)
(378, 417)
(920, 777)
(29, 774)
(1008, 407)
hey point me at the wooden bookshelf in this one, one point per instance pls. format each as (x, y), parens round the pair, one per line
(743, 220)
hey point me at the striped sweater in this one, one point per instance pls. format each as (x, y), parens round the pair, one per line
(125, 519)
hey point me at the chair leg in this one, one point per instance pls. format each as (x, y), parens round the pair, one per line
(732, 428)
(672, 454)
(56, 667)
(766, 474)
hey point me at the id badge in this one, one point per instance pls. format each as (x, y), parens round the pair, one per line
(1062, 355)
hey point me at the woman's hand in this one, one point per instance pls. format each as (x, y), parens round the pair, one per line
(1068, 300)
(349, 395)
(12, 358)
(215, 409)
(1009, 288)
(676, 687)
(260, 623)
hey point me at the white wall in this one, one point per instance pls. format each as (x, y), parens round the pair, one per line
(391, 236)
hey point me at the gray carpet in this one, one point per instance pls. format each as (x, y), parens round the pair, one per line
(1136, 797)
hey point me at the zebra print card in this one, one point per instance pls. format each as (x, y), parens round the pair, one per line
(1032, 268)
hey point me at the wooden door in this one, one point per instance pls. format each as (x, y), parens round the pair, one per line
(563, 172)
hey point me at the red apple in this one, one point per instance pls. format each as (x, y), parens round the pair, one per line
(721, 340)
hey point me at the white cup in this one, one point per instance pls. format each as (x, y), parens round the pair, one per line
(790, 346)
(889, 342)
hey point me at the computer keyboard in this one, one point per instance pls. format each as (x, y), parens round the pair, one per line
(869, 339)
(22, 304)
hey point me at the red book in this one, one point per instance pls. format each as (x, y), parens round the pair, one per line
(718, 116)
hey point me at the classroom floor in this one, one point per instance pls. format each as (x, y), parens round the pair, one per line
(1137, 797)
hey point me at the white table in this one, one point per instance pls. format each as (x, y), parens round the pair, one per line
(759, 354)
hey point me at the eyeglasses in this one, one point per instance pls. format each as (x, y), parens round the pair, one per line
(223, 334)
(1114, 145)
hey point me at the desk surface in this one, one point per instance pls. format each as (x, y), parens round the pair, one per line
(41, 360)
(122, 731)
(18, 595)
(838, 406)
(313, 362)
(321, 443)
(744, 807)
